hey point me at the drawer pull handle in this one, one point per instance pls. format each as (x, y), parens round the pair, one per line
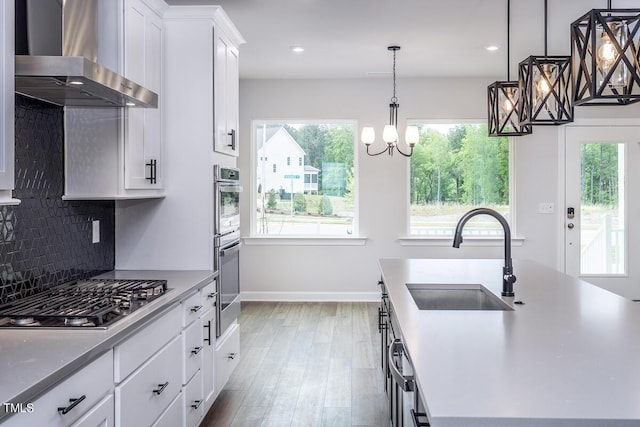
(211, 295)
(196, 350)
(161, 389)
(72, 404)
(196, 308)
(231, 356)
(196, 404)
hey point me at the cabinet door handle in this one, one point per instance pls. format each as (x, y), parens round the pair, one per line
(196, 404)
(208, 328)
(415, 416)
(161, 389)
(196, 308)
(211, 295)
(405, 382)
(153, 171)
(231, 356)
(232, 134)
(72, 404)
(196, 350)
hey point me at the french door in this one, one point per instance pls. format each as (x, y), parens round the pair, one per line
(602, 207)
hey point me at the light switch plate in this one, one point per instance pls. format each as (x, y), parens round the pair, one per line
(95, 225)
(545, 208)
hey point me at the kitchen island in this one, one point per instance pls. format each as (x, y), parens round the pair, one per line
(34, 360)
(568, 356)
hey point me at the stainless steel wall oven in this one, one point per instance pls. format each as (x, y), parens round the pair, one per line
(226, 244)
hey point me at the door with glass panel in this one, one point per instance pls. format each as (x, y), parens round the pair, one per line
(601, 214)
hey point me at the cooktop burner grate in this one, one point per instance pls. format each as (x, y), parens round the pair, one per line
(83, 303)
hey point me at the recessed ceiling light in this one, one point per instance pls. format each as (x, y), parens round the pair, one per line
(130, 104)
(492, 47)
(75, 82)
(296, 49)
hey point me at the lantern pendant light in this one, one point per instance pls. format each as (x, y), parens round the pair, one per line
(504, 101)
(545, 82)
(605, 54)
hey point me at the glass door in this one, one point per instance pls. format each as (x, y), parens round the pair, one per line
(602, 181)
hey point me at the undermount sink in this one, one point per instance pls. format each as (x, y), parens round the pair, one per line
(446, 296)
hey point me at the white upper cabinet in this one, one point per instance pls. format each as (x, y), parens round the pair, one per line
(226, 93)
(143, 126)
(118, 153)
(7, 101)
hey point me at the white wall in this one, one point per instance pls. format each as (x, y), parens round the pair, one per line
(383, 182)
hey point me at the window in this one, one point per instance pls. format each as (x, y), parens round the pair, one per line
(316, 196)
(455, 168)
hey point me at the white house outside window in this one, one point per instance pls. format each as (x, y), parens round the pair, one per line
(454, 168)
(316, 195)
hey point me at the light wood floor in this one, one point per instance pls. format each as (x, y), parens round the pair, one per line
(305, 364)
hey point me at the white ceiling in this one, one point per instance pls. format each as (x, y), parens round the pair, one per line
(349, 38)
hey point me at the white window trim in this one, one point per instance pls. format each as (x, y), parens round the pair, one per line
(417, 240)
(303, 240)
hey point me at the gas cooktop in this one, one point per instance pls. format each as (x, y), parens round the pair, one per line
(90, 303)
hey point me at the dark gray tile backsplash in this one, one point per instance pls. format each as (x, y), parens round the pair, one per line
(46, 241)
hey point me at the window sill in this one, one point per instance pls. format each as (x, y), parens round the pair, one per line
(448, 241)
(304, 241)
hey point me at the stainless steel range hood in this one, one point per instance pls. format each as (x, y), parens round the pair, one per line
(56, 58)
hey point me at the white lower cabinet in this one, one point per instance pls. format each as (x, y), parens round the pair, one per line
(74, 397)
(227, 355)
(208, 357)
(192, 349)
(167, 374)
(193, 401)
(102, 415)
(145, 394)
(173, 415)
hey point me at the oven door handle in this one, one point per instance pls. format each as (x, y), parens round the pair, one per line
(229, 188)
(229, 250)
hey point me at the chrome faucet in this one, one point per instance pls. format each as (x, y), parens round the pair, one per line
(508, 279)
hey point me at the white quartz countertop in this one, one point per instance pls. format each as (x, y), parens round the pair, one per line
(568, 357)
(33, 360)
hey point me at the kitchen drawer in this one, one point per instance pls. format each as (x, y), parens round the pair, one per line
(173, 415)
(192, 347)
(208, 295)
(101, 415)
(145, 394)
(227, 355)
(193, 401)
(143, 344)
(90, 384)
(191, 309)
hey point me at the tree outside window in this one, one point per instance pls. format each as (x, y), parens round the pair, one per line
(313, 197)
(455, 168)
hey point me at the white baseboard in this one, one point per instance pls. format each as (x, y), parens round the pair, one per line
(311, 296)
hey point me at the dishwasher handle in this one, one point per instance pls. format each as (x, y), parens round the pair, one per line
(230, 249)
(406, 382)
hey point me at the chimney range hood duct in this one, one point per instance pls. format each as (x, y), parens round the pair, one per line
(56, 54)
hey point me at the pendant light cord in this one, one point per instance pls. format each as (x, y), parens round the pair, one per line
(545, 28)
(508, 39)
(394, 99)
